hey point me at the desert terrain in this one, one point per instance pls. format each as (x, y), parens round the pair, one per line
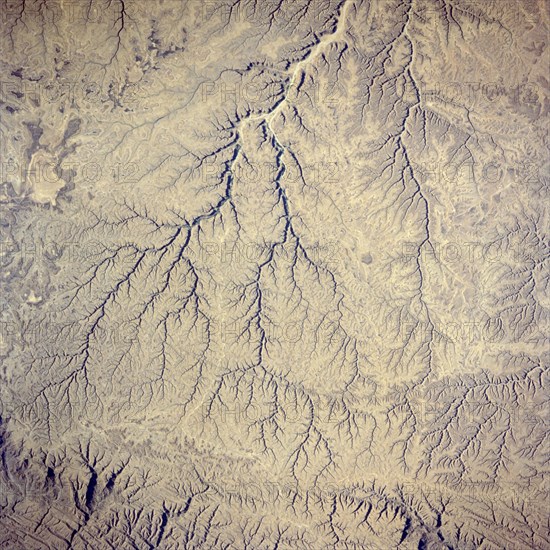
(274, 274)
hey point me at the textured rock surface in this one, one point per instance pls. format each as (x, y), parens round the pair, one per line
(274, 274)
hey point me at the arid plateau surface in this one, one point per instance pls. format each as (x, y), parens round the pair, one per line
(274, 274)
